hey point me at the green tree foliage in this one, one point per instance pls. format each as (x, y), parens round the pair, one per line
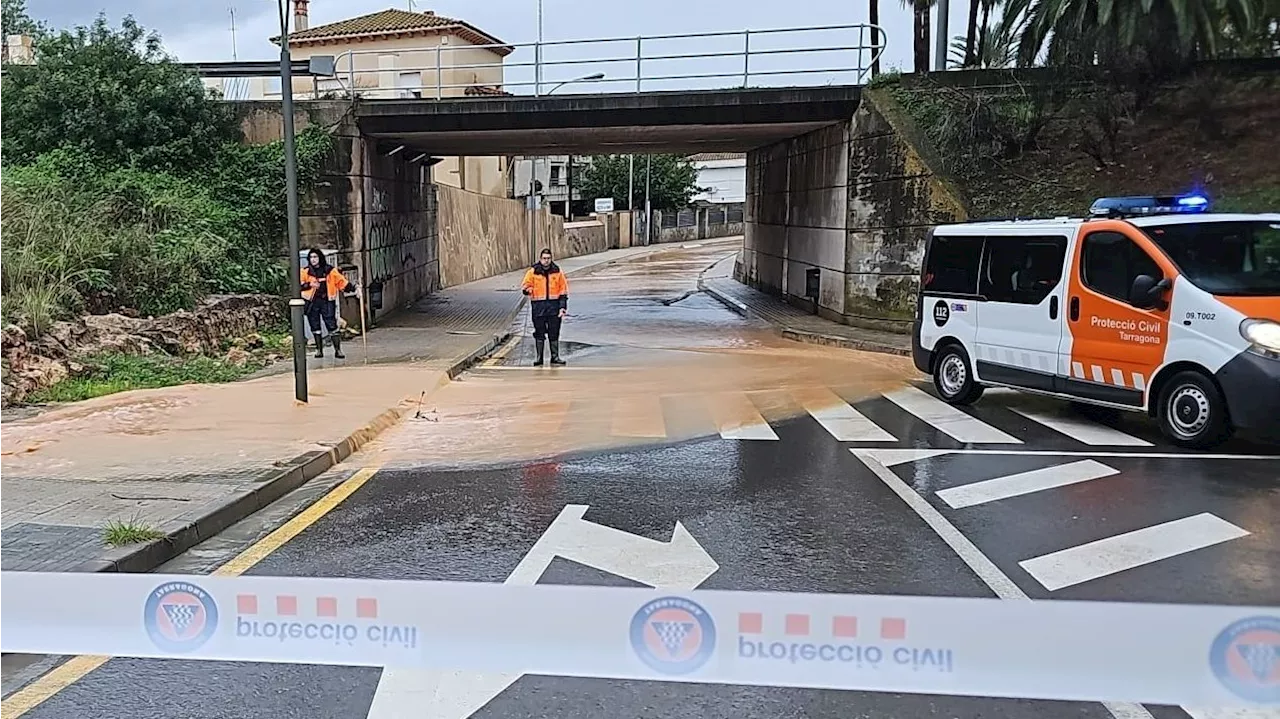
(125, 184)
(81, 237)
(986, 46)
(113, 95)
(672, 181)
(1160, 34)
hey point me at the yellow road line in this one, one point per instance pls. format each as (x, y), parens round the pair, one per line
(502, 352)
(76, 668)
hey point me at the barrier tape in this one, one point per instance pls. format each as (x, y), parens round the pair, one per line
(1090, 651)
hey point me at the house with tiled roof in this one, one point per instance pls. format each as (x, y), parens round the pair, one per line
(722, 177)
(397, 53)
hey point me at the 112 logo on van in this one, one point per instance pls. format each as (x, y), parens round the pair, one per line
(941, 313)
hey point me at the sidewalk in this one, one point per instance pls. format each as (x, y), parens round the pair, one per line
(191, 460)
(793, 322)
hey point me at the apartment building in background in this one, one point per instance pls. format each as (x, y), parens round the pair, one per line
(552, 174)
(398, 54)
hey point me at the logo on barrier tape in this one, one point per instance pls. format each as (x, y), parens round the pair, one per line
(180, 617)
(1246, 659)
(673, 635)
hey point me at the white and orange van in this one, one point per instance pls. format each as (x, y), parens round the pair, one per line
(1152, 304)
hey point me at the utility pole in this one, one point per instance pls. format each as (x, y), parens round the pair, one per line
(648, 208)
(940, 42)
(291, 199)
(568, 185)
(631, 182)
(533, 207)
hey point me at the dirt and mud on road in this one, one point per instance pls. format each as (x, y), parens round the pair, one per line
(651, 360)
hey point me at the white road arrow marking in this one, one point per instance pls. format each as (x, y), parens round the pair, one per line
(681, 563)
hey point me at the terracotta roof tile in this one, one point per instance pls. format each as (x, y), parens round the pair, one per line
(710, 156)
(392, 22)
(485, 91)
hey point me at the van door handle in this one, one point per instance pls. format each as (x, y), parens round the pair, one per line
(1075, 308)
(1053, 307)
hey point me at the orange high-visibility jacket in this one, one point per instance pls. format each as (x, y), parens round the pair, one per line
(335, 280)
(547, 289)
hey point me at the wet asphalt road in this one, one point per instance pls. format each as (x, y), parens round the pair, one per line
(800, 513)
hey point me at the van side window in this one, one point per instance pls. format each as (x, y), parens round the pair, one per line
(1023, 270)
(952, 266)
(1110, 263)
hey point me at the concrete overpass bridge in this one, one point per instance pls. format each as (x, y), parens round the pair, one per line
(838, 201)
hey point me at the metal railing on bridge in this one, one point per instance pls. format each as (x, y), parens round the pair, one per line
(828, 54)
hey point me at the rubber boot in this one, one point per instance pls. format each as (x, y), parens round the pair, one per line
(555, 353)
(337, 346)
(319, 347)
(538, 344)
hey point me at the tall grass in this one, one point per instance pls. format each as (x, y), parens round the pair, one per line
(54, 251)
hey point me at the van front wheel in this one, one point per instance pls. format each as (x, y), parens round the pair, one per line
(1192, 411)
(953, 376)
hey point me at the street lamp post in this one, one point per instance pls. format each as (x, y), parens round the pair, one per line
(291, 206)
(534, 205)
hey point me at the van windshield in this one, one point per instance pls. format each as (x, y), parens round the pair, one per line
(1224, 258)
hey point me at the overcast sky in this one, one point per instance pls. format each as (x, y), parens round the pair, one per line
(200, 30)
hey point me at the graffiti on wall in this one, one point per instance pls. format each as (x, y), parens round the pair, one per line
(399, 238)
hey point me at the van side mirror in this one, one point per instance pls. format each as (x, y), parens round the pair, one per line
(1147, 293)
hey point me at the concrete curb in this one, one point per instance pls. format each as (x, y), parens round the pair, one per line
(797, 335)
(218, 515)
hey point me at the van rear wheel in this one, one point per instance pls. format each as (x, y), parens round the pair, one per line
(953, 376)
(1192, 411)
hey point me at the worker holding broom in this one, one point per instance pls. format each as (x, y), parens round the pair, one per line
(548, 292)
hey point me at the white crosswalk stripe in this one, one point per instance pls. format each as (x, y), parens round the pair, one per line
(1104, 557)
(840, 420)
(948, 419)
(1015, 485)
(1082, 430)
(736, 417)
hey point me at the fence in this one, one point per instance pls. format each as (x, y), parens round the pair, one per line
(620, 64)
(693, 223)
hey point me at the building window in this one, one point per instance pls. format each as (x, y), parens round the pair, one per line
(409, 84)
(555, 176)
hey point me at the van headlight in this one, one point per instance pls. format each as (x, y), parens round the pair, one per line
(1264, 335)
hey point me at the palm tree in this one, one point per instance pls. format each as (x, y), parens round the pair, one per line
(920, 32)
(996, 46)
(970, 34)
(1165, 31)
(873, 19)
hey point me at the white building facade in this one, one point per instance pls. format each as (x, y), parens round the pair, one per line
(723, 175)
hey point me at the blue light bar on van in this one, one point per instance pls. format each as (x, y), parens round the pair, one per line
(1153, 205)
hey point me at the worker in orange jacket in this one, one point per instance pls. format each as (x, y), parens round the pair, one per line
(322, 283)
(548, 292)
